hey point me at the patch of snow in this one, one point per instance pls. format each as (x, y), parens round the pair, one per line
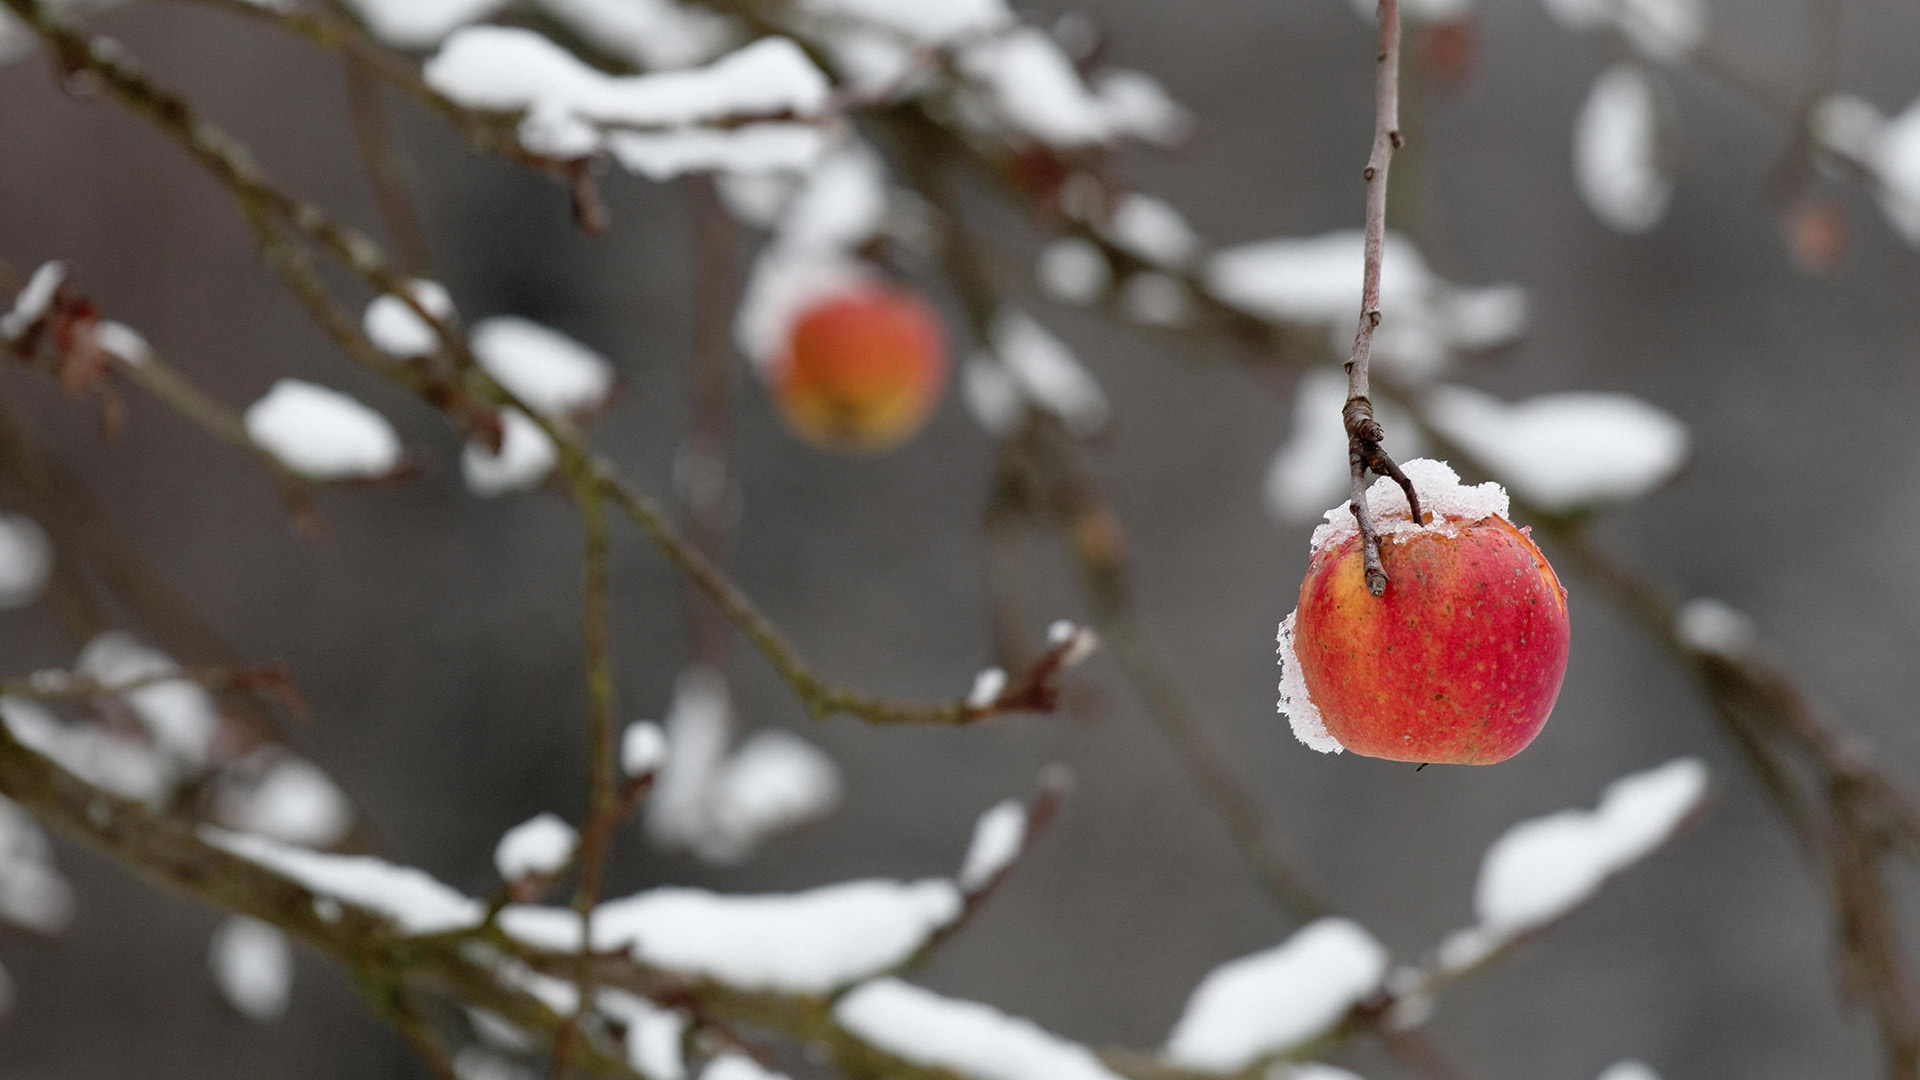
(1564, 452)
(420, 24)
(397, 330)
(964, 1037)
(26, 561)
(926, 21)
(1310, 469)
(527, 454)
(543, 367)
(743, 150)
(122, 341)
(1442, 495)
(733, 1065)
(1137, 105)
(1073, 271)
(1156, 299)
(1619, 163)
(1897, 161)
(1047, 372)
(1270, 1001)
(33, 301)
(33, 893)
(659, 35)
(252, 964)
(992, 396)
(986, 688)
(109, 762)
(179, 715)
(643, 748)
(1035, 90)
(322, 434)
(413, 900)
(1153, 230)
(284, 798)
(1080, 641)
(1709, 626)
(537, 847)
(998, 837)
(1295, 703)
(1629, 1070)
(654, 1034)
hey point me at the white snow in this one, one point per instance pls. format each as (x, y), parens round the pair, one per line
(1545, 867)
(1156, 299)
(539, 846)
(986, 688)
(397, 330)
(1295, 703)
(33, 893)
(785, 282)
(1047, 373)
(1080, 641)
(1849, 126)
(734, 1065)
(1153, 230)
(653, 1034)
(965, 1037)
(33, 301)
(1420, 10)
(543, 367)
(1270, 1001)
(252, 964)
(410, 898)
(1568, 451)
(1709, 626)
(102, 758)
(122, 341)
(284, 798)
(1073, 270)
(1316, 280)
(322, 434)
(1897, 162)
(1034, 89)
(420, 24)
(1629, 1070)
(1137, 105)
(1310, 469)
(810, 942)
(924, 21)
(26, 559)
(1664, 30)
(527, 454)
(1619, 164)
(998, 837)
(478, 1063)
(992, 396)
(659, 35)
(1442, 495)
(643, 748)
(179, 715)
(773, 146)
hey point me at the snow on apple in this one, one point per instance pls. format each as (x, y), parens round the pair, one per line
(964, 1037)
(252, 964)
(1271, 1001)
(322, 434)
(1564, 452)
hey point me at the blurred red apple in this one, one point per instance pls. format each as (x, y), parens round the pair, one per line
(863, 370)
(1459, 662)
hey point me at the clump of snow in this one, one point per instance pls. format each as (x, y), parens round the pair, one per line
(1629, 1070)
(654, 1034)
(413, 900)
(930, 22)
(810, 942)
(659, 35)
(1267, 1002)
(1442, 496)
(26, 560)
(122, 341)
(479, 1063)
(1045, 373)
(527, 455)
(33, 894)
(1153, 230)
(986, 688)
(723, 806)
(179, 715)
(540, 846)
(1033, 88)
(1435, 11)
(1316, 280)
(1311, 468)
(1156, 299)
(252, 964)
(1619, 164)
(1889, 150)
(322, 434)
(1710, 626)
(420, 24)
(1295, 703)
(1543, 868)
(1565, 452)
(964, 1037)
(397, 330)
(643, 748)
(992, 396)
(998, 837)
(733, 1065)
(1079, 641)
(1663, 30)
(544, 368)
(1073, 270)
(284, 798)
(1137, 105)
(33, 301)
(102, 758)
(746, 149)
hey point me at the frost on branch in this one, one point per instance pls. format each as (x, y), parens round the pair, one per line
(659, 35)
(252, 964)
(1272, 1001)
(26, 559)
(1311, 280)
(282, 797)
(1030, 367)
(322, 434)
(409, 898)
(1441, 493)
(722, 806)
(1889, 150)
(1663, 30)
(998, 836)
(1311, 468)
(810, 942)
(1621, 161)
(541, 846)
(965, 1037)
(1540, 870)
(33, 894)
(1564, 452)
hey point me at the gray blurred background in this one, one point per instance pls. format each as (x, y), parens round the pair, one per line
(436, 633)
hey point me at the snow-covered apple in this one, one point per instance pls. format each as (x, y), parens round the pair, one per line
(862, 370)
(1460, 660)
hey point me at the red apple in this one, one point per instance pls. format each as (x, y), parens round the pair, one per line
(1459, 662)
(863, 370)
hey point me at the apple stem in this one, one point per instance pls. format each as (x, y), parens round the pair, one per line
(1363, 431)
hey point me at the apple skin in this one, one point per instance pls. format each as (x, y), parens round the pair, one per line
(1459, 662)
(863, 370)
